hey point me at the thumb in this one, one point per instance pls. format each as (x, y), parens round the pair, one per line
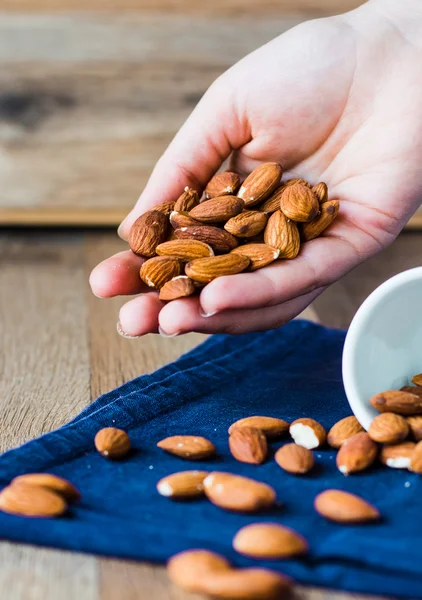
(205, 140)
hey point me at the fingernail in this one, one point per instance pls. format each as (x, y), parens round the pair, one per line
(120, 231)
(207, 315)
(124, 334)
(167, 335)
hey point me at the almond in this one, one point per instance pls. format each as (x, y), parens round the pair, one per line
(260, 255)
(388, 428)
(31, 501)
(178, 287)
(397, 456)
(185, 250)
(270, 426)
(223, 184)
(261, 183)
(343, 430)
(247, 224)
(188, 568)
(156, 271)
(221, 241)
(416, 460)
(356, 454)
(290, 182)
(165, 207)
(112, 442)
(233, 492)
(273, 202)
(321, 192)
(329, 211)
(182, 219)
(147, 232)
(343, 507)
(217, 210)
(299, 203)
(282, 234)
(192, 447)
(269, 541)
(415, 424)
(308, 433)
(246, 584)
(50, 482)
(204, 270)
(248, 445)
(412, 389)
(294, 459)
(402, 403)
(187, 200)
(185, 484)
(417, 379)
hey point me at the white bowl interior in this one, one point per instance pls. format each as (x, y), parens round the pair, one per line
(383, 348)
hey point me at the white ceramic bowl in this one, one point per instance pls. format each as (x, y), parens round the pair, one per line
(383, 348)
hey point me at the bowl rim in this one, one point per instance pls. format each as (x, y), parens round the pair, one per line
(363, 411)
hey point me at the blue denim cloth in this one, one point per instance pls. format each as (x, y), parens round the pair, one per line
(291, 372)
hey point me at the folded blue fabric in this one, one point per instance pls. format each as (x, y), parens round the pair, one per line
(289, 373)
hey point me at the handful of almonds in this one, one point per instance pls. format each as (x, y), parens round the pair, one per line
(189, 243)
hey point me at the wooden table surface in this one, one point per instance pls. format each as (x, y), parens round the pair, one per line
(59, 350)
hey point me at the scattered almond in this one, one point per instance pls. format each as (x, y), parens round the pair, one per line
(313, 229)
(343, 430)
(416, 459)
(246, 584)
(260, 255)
(178, 287)
(233, 492)
(50, 482)
(269, 541)
(299, 203)
(188, 568)
(417, 379)
(260, 184)
(185, 250)
(247, 224)
(295, 459)
(31, 501)
(343, 507)
(248, 445)
(182, 219)
(273, 202)
(220, 240)
(112, 442)
(396, 401)
(191, 447)
(204, 270)
(321, 192)
(185, 484)
(397, 456)
(415, 424)
(388, 428)
(149, 230)
(217, 210)
(308, 433)
(283, 234)
(222, 184)
(187, 200)
(270, 426)
(356, 454)
(156, 271)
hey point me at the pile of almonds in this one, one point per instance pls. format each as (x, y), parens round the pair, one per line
(189, 243)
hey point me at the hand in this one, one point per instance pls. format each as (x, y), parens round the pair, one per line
(336, 100)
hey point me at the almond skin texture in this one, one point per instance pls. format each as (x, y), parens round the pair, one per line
(261, 183)
(187, 569)
(343, 430)
(402, 403)
(222, 184)
(397, 456)
(290, 182)
(273, 202)
(415, 424)
(50, 482)
(112, 442)
(185, 484)
(217, 210)
(204, 270)
(299, 203)
(329, 211)
(417, 379)
(246, 584)
(165, 207)
(187, 200)
(147, 232)
(156, 271)
(247, 224)
(269, 541)
(191, 447)
(388, 428)
(221, 241)
(260, 255)
(182, 219)
(416, 460)
(282, 234)
(412, 389)
(321, 192)
(236, 493)
(31, 501)
(343, 507)
(178, 287)
(294, 459)
(185, 250)
(308, 433)
(271, 427)
(248, 445)
(356, 454)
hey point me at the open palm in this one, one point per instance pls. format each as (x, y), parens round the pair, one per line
(336, 100)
